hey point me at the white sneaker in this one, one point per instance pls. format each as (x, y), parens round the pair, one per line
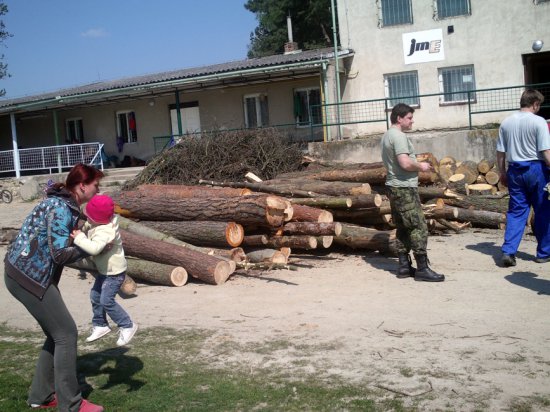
(98, 332)
(126, 335)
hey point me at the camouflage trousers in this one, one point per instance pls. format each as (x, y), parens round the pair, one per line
(407, 215)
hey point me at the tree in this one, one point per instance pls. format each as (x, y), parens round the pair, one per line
(311, 25)
(3, 36)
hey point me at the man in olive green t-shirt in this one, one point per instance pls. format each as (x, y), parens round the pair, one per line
(402, 188)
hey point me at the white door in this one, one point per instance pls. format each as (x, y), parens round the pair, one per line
(190, 120)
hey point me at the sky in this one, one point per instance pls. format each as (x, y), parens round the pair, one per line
(66, 43)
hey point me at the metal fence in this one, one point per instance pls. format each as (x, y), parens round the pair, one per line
(53, 157)
(479, 101)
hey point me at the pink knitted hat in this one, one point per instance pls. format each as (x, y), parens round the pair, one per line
(100, 209)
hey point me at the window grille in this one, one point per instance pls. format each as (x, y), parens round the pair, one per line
(402, 88)
(304, 99)
(451, 8)
(396, 12)
(454, 82)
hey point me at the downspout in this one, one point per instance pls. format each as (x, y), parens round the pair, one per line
(16, 164)
(178, 112)
(56, 133)
(337, 71)
(324, 87)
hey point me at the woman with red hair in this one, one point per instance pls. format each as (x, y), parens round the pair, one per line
(33, 266)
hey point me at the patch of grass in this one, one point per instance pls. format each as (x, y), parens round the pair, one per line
(167, 370)
(529, 403)
(406, 372)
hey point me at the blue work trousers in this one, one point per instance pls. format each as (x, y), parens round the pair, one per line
(526, 182)
(103, 301)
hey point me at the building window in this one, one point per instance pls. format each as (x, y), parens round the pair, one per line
(451, 8)
(402, 88)
(126, 126)
(74, 130)
(394, 12)
(307, 101)
(256, 110)
(454, 82)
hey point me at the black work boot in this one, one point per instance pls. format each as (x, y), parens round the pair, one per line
(405, 269)
(424, 273)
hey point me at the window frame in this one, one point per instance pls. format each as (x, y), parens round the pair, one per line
(79, 131)
(130, 137)
(537, 2)
(382, 13)
(444, 93)
(437, 10)
(260, 111)
(306, 123)
(387, 90)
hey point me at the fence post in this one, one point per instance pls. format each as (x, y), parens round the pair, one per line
(386, 113)
(469, 110)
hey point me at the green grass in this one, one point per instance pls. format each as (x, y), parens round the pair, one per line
(169, 370)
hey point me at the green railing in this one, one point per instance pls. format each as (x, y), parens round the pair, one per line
(479, 101)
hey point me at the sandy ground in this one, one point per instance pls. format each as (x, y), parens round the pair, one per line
(478, 341)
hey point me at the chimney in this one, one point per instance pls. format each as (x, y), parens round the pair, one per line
(291, 46)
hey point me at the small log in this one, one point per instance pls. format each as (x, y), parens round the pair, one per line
(480, 189)
(324, 241)
(261, 187)
(205, 267)
(482, 218)
(267, 255)
(128, 286)
(481, 179)
(433, 192)
(236, 254)
(492, 177)
(445, 172)
(293, 242)
(255, 240)
(201, 233)
(338, 189)
(457, 183)
(324, 202)
(310, 214)
(312, 228)
(447, 160)
(469, 169)
(359, 237)
(484, 165)
(183, 191)
(365, 201)
(157, 273)
(493, 203)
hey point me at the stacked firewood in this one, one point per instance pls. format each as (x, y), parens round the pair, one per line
(211, 230)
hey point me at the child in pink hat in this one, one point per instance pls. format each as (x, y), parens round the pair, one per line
(100, 237)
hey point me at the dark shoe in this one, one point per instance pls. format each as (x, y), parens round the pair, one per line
(542, 260)
(405, 269)
(508, 260)
(424, 273)
(47, 405)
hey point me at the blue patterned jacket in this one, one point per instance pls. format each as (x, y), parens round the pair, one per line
(36, 257)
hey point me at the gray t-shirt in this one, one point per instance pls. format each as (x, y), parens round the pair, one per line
(523, 135)
(395, 142)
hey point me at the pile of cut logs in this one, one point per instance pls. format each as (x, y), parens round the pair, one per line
(209, 231)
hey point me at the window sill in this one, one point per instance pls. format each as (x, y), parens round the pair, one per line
(457, 103)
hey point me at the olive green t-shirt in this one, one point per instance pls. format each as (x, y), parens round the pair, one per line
(395, 142)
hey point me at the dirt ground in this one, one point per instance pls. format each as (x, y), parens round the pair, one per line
(478, 341)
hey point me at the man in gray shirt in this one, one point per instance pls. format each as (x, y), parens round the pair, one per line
(524, 142)
(402, 188)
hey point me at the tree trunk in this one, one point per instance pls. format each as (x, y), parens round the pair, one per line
(310, 214)
(323, 188)
(202, 233)
(482, 218)
(492, 177)
(359, 237)
(261, 209)
(366, 201)
(324, 202)
(156, 273)
(183, 191)
(312, 228)
(207, 268)
(262, 187)
(490, 203)
(293, 242)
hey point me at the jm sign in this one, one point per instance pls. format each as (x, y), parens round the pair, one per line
(423, 46)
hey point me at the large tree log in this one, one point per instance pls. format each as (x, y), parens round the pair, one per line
(324, 202)
(202, 233)
(482, 218)
(359, 237)
(205, 267)
(260, 209)
(323, 188)
(157, 273)
(276, 242)
(262, 187)
(312, 228)
(310, 214)
(183, 191)
(492, 177)
(492, 203)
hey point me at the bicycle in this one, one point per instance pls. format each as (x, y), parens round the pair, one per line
(5, 196)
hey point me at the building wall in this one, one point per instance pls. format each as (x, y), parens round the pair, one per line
(493, 38)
